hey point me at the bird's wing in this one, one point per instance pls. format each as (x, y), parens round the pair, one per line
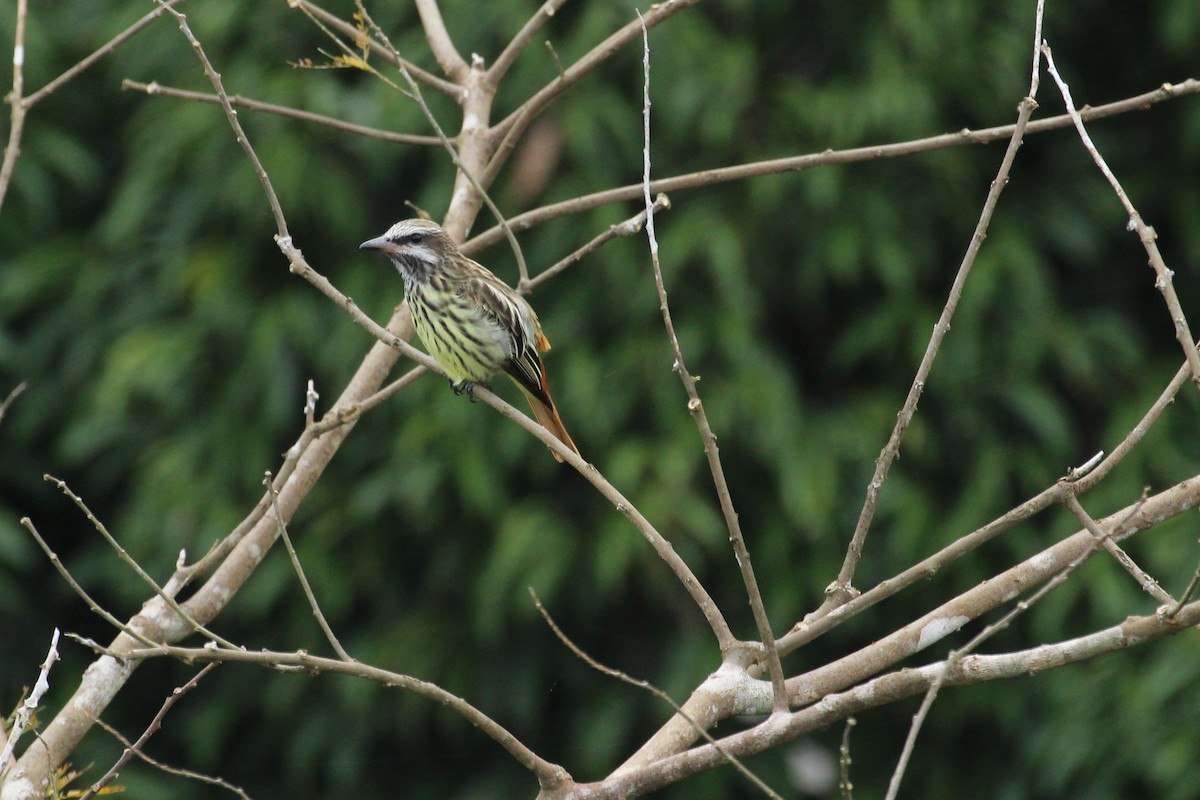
(517, 318)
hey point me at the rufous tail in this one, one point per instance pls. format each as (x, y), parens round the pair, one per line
(547, 415)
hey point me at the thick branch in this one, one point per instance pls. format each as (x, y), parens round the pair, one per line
(439, 41)
(881, 691)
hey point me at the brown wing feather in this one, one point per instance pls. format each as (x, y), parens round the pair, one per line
(517, 318)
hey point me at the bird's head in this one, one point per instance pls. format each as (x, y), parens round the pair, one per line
(416, 246)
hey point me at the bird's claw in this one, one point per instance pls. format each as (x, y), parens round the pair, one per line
(467, 387)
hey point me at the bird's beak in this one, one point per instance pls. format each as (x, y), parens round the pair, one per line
(380, 243)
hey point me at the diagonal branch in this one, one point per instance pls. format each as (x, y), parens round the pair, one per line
(508, 56)
(854, 674)
(816, 624)
(509, 129)
(547, 773)
(155, 724)
(954, 614)
(345, 28)
(649, 687)
(889, 688)
(1163, 276)
(712, 177)
(439, 41)
(843, 589)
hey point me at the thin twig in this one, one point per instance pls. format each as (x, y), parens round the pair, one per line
(511, 126)
(183, 773)
(1163, 276)
(351, 413)
(712, 177)
(845, 787)
(308, 592)
(547, 773)
(612, 672)
(13, 395)
(155, 89)
(151, 729)
(825, 618)
(100, 52)
(1184, 598)
(16, 100)
(955, 656)
(56, 562)
(30, 704)
(741, 553)
(508, 56)
(133, 564)
(243, 141)
(627, 228)
(318, 14)
(938, 623)
(890, 688)
(1136, 434)
(843, 589)
(1143, 579)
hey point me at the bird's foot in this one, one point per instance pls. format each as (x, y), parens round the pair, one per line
(467, 387)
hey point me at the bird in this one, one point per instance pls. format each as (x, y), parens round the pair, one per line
(471, 322)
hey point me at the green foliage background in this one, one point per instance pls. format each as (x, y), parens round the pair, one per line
(167, 348)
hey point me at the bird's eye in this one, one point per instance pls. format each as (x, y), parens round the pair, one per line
(415, 238)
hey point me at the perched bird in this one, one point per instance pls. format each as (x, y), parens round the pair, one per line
(471, 322)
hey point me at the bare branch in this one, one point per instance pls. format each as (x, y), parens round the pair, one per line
(844, 785)
(308, 592)
(547, 773)
(1145, 581)
(508, 56)
(151, 729)
(709, 439)
(712, 177)
(29, 706)
(649, 687)
(16, 99)
(843, 589)
(887, 689)
(215, 79)
(13, 395)
(132, 563)
(77, 588)
(439, 41)
(1186, 597)
(183, 773)
(99, 53)
(954, 614)
(347, 29)
(508, 130)
(1163, 276)
(237, 101)
(627, 228)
